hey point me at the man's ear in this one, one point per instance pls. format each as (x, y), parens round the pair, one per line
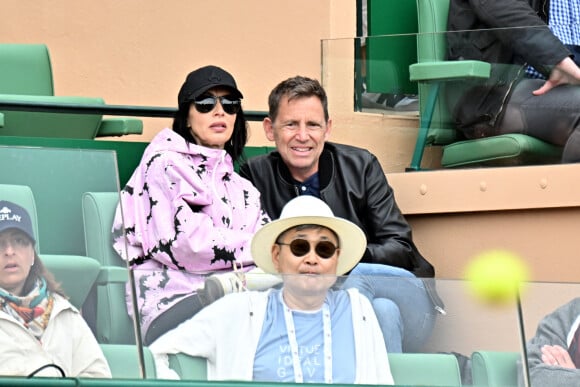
(268, 128)
(276, 257)
(328, 129)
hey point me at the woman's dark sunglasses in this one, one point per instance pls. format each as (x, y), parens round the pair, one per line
(301, 247)
(206, 104)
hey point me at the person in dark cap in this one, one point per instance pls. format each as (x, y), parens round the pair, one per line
(185, 210)
(41, 333)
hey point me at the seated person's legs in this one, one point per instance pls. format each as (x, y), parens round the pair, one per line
(389, 317)
(406, 291)
(173, 316)
(553, 117)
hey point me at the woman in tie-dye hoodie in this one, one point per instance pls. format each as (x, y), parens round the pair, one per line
(185, 210)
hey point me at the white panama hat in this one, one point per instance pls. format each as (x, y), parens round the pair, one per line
(308, 209)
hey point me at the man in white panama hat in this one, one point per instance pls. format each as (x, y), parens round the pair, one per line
(303, 332)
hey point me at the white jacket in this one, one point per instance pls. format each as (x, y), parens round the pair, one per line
(226, 333)
(67, 342)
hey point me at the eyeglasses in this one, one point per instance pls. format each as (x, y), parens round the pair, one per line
(301, 247)
(206, 104)
(16, 241)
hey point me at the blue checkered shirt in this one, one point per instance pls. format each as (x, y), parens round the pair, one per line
(564, 22)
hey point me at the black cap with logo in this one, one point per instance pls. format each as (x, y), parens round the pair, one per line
(201, 80)
(12, 216)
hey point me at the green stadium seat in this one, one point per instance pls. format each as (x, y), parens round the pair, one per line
(76, 274)
(495, 369)
(433, 72)
(189, 367)
(388, 57)
(408, 369)
(425, 369)
(59, 177)
(124, 361)
(26, 76)
(113, 324)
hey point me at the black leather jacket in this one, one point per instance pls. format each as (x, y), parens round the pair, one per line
(354, 185)
(507, 48)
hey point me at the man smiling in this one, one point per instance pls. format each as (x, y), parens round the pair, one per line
(350, 180)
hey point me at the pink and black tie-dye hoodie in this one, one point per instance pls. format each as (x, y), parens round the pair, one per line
(185, 212)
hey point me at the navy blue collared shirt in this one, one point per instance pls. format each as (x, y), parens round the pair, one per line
(310, 186)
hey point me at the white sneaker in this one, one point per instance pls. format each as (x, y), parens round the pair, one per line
(258, 279)
(218, 285)
(408, 103)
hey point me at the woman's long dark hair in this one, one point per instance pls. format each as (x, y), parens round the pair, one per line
(38, 270)
(234, 146)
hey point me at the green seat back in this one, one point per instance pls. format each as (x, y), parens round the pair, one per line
(26, 76)
(113, 323)
(124, 361)
(25, 69)
(98, 213)
(495, 369)
(389, 57)
(58, 178)
(76, 274)
(425, 369)
(432, 46)
(128, 153)
(188, 367)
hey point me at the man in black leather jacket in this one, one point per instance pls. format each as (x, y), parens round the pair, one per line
(512, 34)
(350, 180)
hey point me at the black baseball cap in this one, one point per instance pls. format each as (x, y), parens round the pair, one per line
(12, 216)
(201, 80)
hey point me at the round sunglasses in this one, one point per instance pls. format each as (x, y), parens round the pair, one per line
(301, 247)
(207, 103)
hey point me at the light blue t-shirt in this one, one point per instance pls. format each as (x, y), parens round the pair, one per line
(273, 360)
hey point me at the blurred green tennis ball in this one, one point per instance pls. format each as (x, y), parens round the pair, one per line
(495, 276)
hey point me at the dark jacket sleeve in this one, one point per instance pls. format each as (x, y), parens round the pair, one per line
(553, 330)
(390, 238)
(354, 185)
(519, 35)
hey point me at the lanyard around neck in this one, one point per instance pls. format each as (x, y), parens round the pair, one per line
(327, 337)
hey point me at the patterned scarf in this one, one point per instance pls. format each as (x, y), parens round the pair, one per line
(32, 310)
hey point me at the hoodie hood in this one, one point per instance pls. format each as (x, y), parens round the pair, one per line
(168, 140)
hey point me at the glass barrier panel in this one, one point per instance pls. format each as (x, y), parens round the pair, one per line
(254, 333)
(70, 196)
(550, 317)
(439, 82)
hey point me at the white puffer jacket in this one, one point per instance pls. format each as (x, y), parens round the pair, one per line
(67, 342)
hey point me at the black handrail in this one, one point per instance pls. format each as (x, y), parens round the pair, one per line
(109, 110)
